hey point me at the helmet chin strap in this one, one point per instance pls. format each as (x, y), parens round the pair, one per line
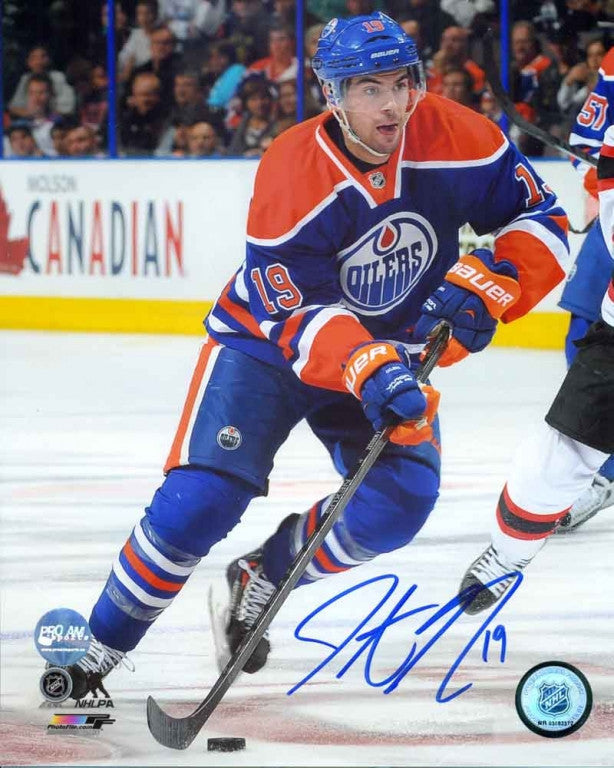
(343, 121)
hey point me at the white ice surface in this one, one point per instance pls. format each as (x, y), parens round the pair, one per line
(85, 425)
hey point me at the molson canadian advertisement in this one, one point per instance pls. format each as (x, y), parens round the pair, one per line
(147, 247)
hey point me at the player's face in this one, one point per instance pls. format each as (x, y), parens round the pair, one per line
(375, 106)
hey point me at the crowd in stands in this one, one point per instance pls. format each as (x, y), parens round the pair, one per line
(213, 78)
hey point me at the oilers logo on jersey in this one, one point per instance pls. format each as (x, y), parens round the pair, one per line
(379, 271)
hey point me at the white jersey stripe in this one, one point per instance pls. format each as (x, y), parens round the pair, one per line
(311, 331)
(458, 163)
(541, 233)
(305, 220)
(140, 594)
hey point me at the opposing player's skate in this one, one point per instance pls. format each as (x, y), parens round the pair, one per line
(488, 567)
(249, 592)
(599, 496)
(88, 673)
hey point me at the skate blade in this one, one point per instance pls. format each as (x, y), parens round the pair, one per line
(218, 615)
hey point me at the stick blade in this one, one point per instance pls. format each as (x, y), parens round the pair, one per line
(172, 732)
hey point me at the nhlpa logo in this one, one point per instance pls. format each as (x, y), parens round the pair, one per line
(553, 698)
(381, 269)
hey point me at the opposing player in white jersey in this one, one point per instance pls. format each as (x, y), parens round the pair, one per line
(556, 464)
(590, 274)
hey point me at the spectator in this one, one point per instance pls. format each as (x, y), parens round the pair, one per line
(38, 112)
(580, 80)
(454, 54)
(187, 93)
(203, 140)
(174, 140)
(257, 122)
(287, 99)
(81, 142)
(224, 72)
(457, 86)
(143, 122)
(281, 63)
(21, 142)
(95, 101)
(59, 129)
(38, 63)
(137, 50)
(247, 30)
(528, 68)
(165, 63)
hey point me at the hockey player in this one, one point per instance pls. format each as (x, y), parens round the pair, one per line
(352, 249)
(590, 276)
(556, 463)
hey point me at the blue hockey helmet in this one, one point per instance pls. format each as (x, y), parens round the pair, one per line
(363, 45)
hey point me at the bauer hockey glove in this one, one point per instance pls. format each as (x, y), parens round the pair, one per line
(376, 374)
(474, 295)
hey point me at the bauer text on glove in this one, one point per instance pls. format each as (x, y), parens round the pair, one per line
(476, 292)
(389, 392)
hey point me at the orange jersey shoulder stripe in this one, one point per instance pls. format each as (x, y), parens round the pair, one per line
(294, 177)
(442, 130)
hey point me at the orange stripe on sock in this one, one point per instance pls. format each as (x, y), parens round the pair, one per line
(174, 456)
(324, 561)
(149, 576)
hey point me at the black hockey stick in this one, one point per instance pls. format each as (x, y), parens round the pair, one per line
(492, 75)
(179, 732)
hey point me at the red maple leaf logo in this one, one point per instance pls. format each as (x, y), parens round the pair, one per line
(12, 252)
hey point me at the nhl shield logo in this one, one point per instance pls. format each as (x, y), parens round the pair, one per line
(377, 180)
(229, 438)
(553, 698)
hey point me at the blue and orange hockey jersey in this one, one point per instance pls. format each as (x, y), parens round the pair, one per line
(336, 257)
(596, 115)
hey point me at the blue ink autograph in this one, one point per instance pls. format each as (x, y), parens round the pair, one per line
(370, 639)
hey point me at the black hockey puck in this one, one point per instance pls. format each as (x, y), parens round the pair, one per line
(225, 745)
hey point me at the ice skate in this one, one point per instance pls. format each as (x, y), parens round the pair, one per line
(490, 565)
(599, 496)
(249, 592)
(88, 673)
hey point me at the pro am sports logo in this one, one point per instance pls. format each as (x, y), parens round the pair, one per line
(381, 269)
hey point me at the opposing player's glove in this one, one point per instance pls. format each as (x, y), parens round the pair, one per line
(474, 295)
(378, 376)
